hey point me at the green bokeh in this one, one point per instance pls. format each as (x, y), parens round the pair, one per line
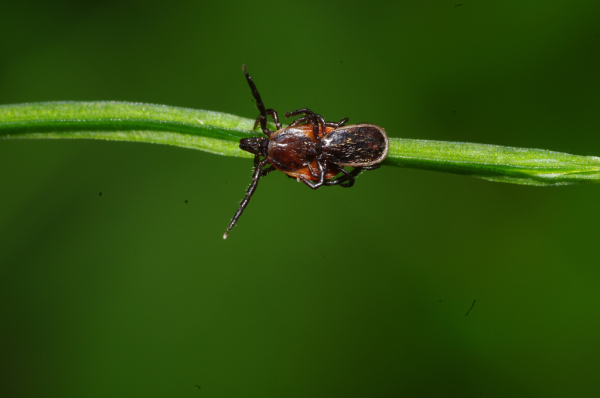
(349, 293)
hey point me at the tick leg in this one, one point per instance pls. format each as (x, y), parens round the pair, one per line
(310, 184)
(347, 180)
(299, 121)
(305, 111)
(315, 119)
(321, 176)
(351, 176)
(338, 124)
(260, 164)
(372, 167)
(258, 172)
(258, 120)
(266, 171)
(321, 169)
(273, 115)
(313, 172)
(262, 119)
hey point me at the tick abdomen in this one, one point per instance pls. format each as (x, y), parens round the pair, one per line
(356, 145)
(292, 148)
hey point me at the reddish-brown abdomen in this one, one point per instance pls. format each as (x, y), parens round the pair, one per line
(292, 148)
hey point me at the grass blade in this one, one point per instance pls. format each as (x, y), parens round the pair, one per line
(220, 133)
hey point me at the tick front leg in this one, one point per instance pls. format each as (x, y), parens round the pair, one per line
(273, 114)
(258, 173)
(262, 119)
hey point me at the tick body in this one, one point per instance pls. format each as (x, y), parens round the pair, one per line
(310, 149)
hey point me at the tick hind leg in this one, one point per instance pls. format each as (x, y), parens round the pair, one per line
(371, 167)
(320, 174)
(347, 180)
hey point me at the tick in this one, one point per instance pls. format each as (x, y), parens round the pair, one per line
(310, 149)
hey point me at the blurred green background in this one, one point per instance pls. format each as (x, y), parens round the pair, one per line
(328, 293)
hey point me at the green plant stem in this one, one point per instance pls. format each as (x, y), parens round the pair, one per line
(220, 133)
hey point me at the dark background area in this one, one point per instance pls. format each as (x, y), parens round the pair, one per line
(329, 293)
